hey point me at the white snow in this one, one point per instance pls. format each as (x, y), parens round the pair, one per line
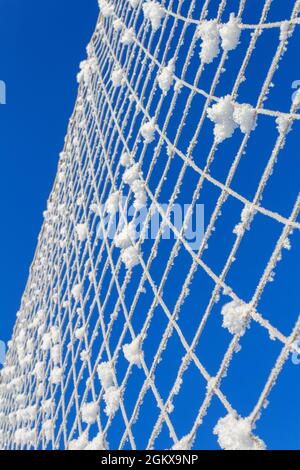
(166, 77)
(185, 443)
(134, 3)
(98, 443)
(247, 216)
(112, 203)
(148, 131)
(127, 36)
(209, 33)
(112, 400)
(221, 114)
(117, 77)
(107, 9)
(140, 195)
(230, 33)
(154, 12)
(118, 24)
(76, 291)
(80, 443)
(79, 332)
(130, 257)
(56, 375)
(105, 374)
(235, 317)
(126, 159)
(46, 341)
(133, 352)
(82, 232)
(282, 124)
(236, 434)
(55, 334)
(112, 393)
(87, 68)
(55, 354)
(245, 116)
(126, 237)
(132, 174)
(228, 115)
(90, 412)
(47, 428)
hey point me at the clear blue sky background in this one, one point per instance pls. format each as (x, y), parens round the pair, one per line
(42, 44)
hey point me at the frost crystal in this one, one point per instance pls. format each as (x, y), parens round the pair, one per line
(282, 124)
(112, 203)
(221, 114)
(228, 115)
(82, 232)
(236, 434)
(105, 374)
(166, 77)
(154, 12)
(134, 3)
(133, 352)
(76, 291)
(56, 375)
(117, 24)
(126, 159)
(112, 401)
(98, 443)
(209, 33)
(106, 8)
(130, 257)
(185, 443)
(235, 317)
(126, 237)
(230, 33)
(148, 131)
(87, 68)
(132, 174)
(117, 77)
(80, 443)
(245, 116)
(127, 37)
(90, 412)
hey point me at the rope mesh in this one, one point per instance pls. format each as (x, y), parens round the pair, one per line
(84, 302)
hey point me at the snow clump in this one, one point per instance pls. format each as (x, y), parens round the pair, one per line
(230, 33)
(89, 412)
(236, 434)
(133, 352)
(153, 12)
(208, 32)
(112, 394)
(127, 36)
(148, 131)
(235, 317)
(166, 77)
(117, 77)
(82, 232)
(106, 8)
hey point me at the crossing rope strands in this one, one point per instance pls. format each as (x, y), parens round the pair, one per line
(107, 348)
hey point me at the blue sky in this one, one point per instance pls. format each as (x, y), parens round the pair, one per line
(42, 44)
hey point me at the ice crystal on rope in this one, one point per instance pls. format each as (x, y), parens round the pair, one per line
(90, 412)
